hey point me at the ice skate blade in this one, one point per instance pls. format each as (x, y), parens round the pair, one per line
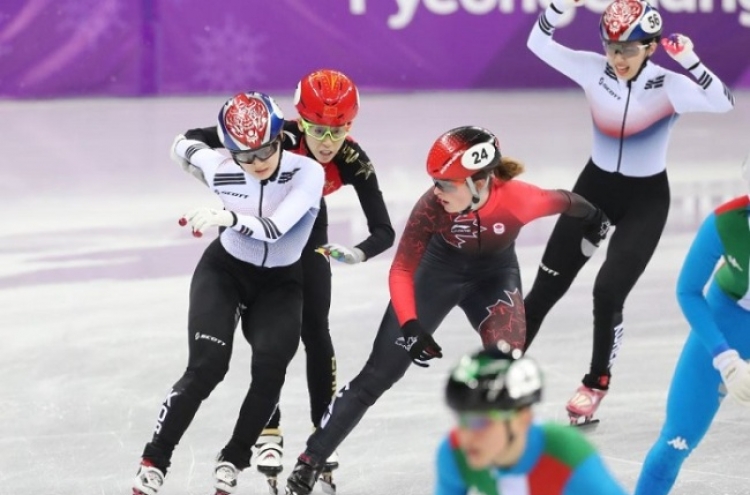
(273, 485)
(584, 424)
(327, 484)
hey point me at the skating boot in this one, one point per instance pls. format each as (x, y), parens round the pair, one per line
(269, 451)
(225, 476)
(303, 477)
(326, 477)
(148, 480)
(582, 406)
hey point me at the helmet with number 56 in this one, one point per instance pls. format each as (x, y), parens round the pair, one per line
(630, 20)
(494, 379)
(463, 152)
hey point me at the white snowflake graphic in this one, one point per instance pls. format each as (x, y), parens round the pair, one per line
(229, 58)
(95, 19)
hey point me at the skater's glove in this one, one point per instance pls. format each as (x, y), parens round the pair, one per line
(680, 48)
(419, 344)
(183, 162)
(594, 232)
(565, 5)
(735, 372)
(201, 219)
(350, 256)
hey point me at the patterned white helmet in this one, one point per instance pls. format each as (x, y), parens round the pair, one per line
(630, 20)
(249, 121)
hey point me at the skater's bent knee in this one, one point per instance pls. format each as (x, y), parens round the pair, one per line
(200, 382)
(368, 392)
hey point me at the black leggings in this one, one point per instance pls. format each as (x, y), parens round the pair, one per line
(271, 301)
(316, 333)
(638, 207)
(488, 292)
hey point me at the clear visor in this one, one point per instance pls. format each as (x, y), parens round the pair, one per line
(628, 50)
(320, 132)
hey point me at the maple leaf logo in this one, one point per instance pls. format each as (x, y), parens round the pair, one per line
(464, 227)
(505, 320)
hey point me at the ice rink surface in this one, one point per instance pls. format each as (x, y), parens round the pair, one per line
(94, 278)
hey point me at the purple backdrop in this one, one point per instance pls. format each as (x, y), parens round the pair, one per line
(51, 48)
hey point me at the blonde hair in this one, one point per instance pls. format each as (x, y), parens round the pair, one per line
(508, 168)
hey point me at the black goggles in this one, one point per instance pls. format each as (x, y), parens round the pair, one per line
(263, 153)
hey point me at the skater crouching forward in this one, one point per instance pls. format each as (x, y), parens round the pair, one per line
(713, 362)
(328, 103)
(270, 203)
(497, 448)
(457, 250)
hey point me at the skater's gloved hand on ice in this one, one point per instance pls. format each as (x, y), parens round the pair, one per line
(183, 162)
(680, 48)
(564, 5)
(594, 232)
(201, 219)
(735, 372)
(419, 344)
(350, 256)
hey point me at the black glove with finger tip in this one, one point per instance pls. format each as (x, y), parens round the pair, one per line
(419, 344)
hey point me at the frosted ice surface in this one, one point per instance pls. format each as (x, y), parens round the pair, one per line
(94, 281)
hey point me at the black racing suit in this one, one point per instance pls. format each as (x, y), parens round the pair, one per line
(350, 166)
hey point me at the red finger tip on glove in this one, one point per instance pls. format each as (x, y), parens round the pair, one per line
(183, 221)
